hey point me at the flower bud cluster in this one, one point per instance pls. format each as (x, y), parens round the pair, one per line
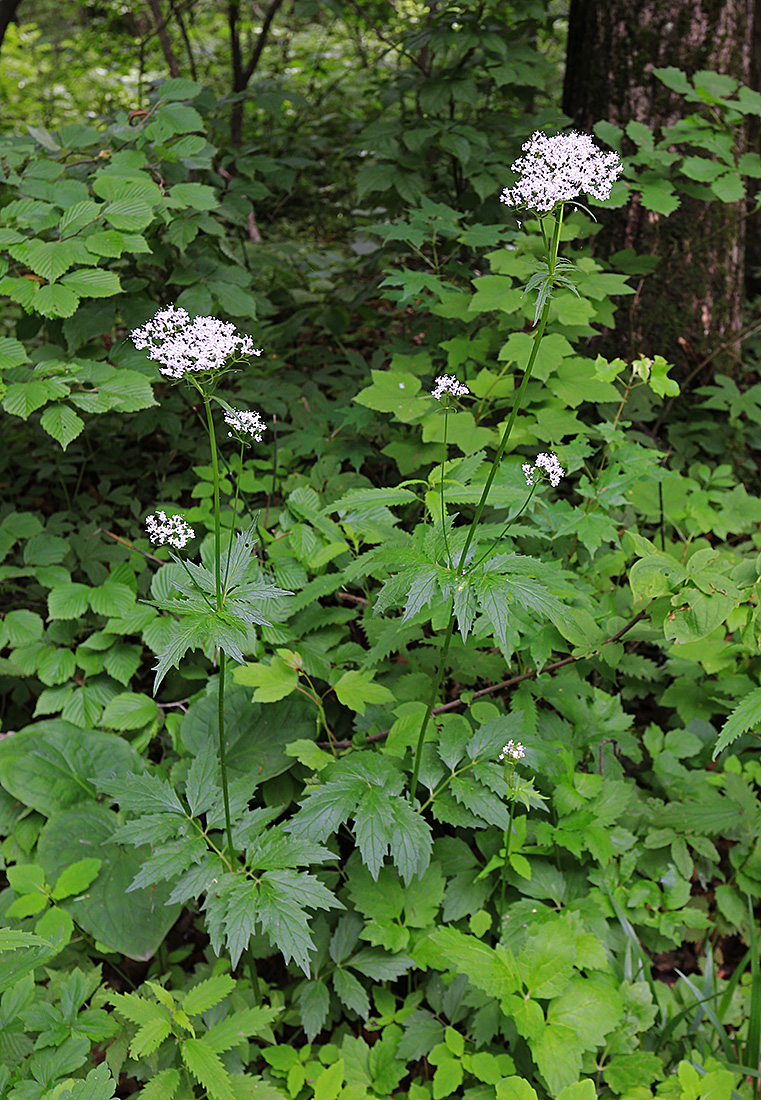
(547, 462)
(174, 530)
(513, 750)
(245, 423)
(447, 383)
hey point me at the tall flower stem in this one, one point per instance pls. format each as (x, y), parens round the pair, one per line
(220, 599)
(552, 256)
(435, 685)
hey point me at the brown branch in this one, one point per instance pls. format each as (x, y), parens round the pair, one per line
(528, 675)
(164, 39)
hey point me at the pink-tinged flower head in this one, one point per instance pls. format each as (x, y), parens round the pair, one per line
(559, 169)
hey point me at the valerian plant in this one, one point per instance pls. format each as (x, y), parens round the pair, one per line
(554, 172)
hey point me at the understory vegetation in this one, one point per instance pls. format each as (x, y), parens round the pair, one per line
(417, 758)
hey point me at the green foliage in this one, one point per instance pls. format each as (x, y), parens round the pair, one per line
(499, 931)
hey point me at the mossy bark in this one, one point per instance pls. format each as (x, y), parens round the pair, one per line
(691, 308)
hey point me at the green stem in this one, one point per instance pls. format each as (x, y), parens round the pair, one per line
(218, 586)
(222, 752)
(538, 334)
(215, 476)
(254, 978)
(432, 701)
(441, 485)
(508, 835)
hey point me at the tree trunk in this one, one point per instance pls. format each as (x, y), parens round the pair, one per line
(691, 308)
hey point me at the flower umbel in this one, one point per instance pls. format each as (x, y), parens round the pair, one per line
(559, 169)
(245, 423)
(447, 383)
(174, 530)
(547, 462)
(513, 750)
(183, 344)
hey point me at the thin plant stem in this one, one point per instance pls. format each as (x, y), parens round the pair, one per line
(253, 975)
(435, 685)
(232, 524)
(508, 837)
(218, 585)
(215, 476)
(538, 334)
(441, 486)
(223, 751)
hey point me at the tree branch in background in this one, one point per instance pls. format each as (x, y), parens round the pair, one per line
(177, 13)
(242, 73)
(164, 39)
(8, 9)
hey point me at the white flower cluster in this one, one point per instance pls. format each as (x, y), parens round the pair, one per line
(181, 343)
(246, 423)
(513, 750)
(558, 169)
(175, 530)
(447, 383)
(547, 462)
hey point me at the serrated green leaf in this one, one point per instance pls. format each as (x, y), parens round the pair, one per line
(207, 993)
(314, 1004)
(129, 711)
(744, 717)
(239, 1026)
(92, 283)
(55, 300)
(207, 1068)
(68, 601)
(351, 991)
(62, 423)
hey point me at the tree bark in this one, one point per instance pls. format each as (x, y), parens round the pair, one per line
(691, 308)
(241, 74)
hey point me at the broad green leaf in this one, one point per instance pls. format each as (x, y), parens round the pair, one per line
(134, 923)
(132, 215)
(51, 765)
(68, 601)
(92, 283)
(272, 681)
(493, 971)
(55, 300)
(196, 195)
(22, 627)
(12, 353)
(62, 423)
(356, 689)
(351, 991)
(314, 1004)
(546, 963)
(130, 711)
(590, 1007)
(75, 878)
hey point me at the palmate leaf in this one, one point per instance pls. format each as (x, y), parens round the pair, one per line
(367, 787)
(277, 902)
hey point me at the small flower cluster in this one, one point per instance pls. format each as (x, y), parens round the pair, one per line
(547, 462)
(447, 383)
(245, 423)
(513, 750)
(182, 344)
(559, 169)
(175, 530)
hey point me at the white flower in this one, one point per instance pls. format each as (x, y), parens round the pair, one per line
(447, 383)
(547, 462)
(175, 530)
(513, 750)
(183, 344)
(246, 423)
(559, 169)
